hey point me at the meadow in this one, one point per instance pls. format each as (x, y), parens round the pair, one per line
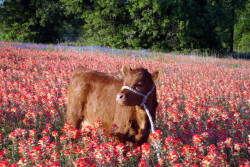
(203, 118)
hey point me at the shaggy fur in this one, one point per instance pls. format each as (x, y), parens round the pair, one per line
(96, 96)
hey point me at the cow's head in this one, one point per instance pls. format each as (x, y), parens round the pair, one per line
(138, 79)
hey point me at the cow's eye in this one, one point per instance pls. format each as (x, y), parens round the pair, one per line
(139, 84)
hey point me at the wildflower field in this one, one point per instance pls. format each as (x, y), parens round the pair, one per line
(203, 118)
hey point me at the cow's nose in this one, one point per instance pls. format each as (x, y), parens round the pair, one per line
(119, 96)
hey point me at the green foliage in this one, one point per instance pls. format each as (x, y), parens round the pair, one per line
(31, 21)
(13, 21)
(242, 31)
(195, 32)
(159, 25)
(103, 26)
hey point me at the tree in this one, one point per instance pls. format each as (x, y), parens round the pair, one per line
(242, 30)
(102, 21)
(228, 11)
(160, 25)
(14, 23)
(103, 25)
(31, 20)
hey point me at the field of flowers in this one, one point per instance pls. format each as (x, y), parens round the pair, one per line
(203, 118)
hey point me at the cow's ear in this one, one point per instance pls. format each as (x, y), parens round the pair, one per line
(156, 74)
(125, 70)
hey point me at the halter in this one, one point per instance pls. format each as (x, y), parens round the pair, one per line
(145, 97)
(143, 104)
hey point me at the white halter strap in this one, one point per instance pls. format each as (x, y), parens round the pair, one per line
(145, 97)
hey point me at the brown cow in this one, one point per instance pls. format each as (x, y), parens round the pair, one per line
(96, 96)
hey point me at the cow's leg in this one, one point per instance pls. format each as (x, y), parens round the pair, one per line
(77, 97)
(117, 140)
(74, 113)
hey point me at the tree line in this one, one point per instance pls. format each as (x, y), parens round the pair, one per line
(159, 25)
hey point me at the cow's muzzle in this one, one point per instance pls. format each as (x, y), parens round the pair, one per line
(121, 97)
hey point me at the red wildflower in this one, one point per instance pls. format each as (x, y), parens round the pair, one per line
(146, 150)
(173, 156)
(197, 139)
(55, 134)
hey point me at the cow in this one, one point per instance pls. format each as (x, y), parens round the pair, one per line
(95, 96)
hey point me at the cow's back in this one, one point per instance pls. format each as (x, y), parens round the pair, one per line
(92, 97)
